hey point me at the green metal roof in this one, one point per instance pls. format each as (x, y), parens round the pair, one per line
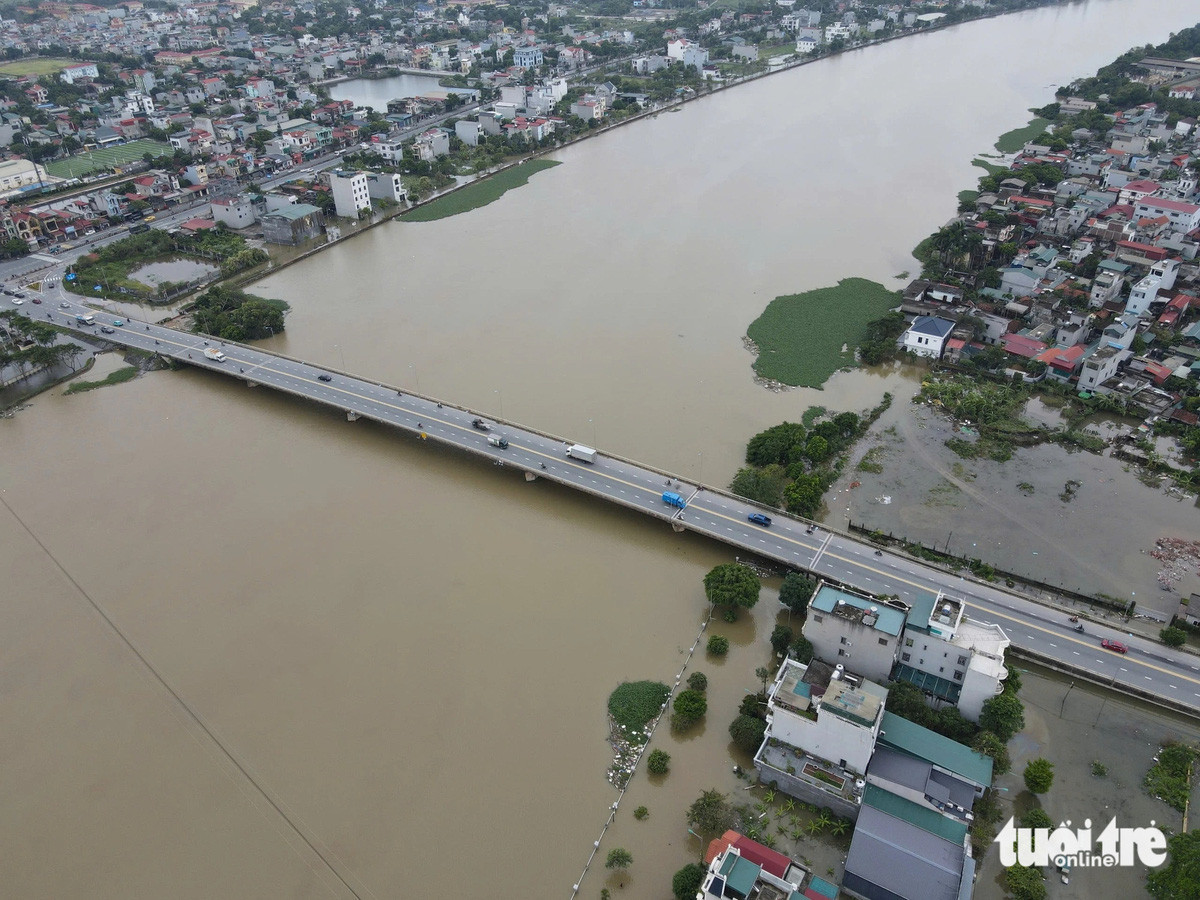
(914, 814)
(740, 874)
(909, 737)
(942, 688)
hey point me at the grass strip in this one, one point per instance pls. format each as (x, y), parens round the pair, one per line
(126, 373)
(481, 193)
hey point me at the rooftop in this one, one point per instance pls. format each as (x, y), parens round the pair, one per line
(855, 704)
(908, 737)
(866, 611)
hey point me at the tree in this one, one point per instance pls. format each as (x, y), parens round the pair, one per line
(763, 674)
(732, 585)
(690, 707)
(989, 745)
(1036, 818)
(1025, 883)
(698, 681)
(747, 732)
(1002, 715)
(1039, 775)
(1172, 636)
(659, 762)
(718, 645)
(618, 858)
(1179, 878)
(796, 591)
(781, 639)
(711, 813)
(817, 448)
(687, 881)
(802, 650)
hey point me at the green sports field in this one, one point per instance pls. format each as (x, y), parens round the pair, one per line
(47, 66)
(105, 158)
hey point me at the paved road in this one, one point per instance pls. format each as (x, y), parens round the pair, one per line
(1149, 666)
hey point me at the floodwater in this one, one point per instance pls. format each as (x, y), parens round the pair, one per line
(376, 92)
(249, 649)
(1020, 515)
(172, 270)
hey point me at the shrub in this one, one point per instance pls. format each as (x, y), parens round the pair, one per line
(687, 881)
(618, 858)
(747, 732)
(1036, 818)
(1173, 637)
(690, 707)
(802, 650)
(1039, 775)
(698, 681)
(640, 813)
(718, 645)
(659, 762)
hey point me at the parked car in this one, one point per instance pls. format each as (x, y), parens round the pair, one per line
(17, 301)
(1115, 646)
(759, 519)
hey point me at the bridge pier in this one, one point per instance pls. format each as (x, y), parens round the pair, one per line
(529, 476)
(351, 416)
(677, 527)
(251, 384)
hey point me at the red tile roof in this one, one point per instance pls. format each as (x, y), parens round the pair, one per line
(1020, 345)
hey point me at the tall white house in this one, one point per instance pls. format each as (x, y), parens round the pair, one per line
(931, 644)
(350, 193)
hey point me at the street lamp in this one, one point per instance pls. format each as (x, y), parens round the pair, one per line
(412, 367)
(700, 478)
(341, 355)
(501, 397)
(593, 424)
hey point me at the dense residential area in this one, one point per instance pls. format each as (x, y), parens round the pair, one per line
(884, 740)
(196, 103)
(1074, 265)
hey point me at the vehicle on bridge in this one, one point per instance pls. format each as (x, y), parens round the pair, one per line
(672, 499)
(85, 319)
(759, 519)
(1115, 646)
(214, 354)
(498, 441)
(581, 453)
(481, 425)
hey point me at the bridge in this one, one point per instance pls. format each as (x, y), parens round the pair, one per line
(1150, 670)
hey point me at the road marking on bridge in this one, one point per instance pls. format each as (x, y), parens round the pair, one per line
(918, 586)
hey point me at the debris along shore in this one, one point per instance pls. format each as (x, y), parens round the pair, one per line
(627, 745)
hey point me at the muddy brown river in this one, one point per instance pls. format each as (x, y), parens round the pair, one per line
(248, 649)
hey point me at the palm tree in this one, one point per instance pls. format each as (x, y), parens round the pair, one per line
(797, 833)
(769, 797)
(840, 827)
(825, 818)
(789, 805)
(815, 826)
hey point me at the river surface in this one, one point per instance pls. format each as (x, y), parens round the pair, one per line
(361, 655)
(376, 92)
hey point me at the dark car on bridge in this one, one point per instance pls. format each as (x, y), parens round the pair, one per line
(481, 425)
(324, 377)
(759, 519)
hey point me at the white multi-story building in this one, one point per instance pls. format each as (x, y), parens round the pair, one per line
(350, 193)
(839, 723)
(1181, 217)
(386, 186)
(71, 74)
(854, 630)
(951, 658)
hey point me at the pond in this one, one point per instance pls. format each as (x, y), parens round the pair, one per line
(376, 92)
(173, 270)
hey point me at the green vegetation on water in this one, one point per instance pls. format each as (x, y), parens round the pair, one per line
(634, 703)
(990, 168)
(967, 196)
(126, 373)
(106, 158)
(1012, 141)
(803, 339)
(481, 193)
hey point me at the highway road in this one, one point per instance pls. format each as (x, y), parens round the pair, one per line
(1149, 667)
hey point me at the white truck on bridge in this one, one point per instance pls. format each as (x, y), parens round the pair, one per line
(214, 354)
(582, 453)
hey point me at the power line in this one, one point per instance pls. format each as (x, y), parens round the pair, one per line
(149, 666)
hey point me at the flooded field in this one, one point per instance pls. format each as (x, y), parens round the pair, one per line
(172, 270)
(1070, 518)
(1072, 726)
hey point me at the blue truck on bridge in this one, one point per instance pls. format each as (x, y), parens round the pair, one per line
(672, 499)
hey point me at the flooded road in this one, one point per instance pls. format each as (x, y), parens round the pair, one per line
(376, 92)
(379, 663)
